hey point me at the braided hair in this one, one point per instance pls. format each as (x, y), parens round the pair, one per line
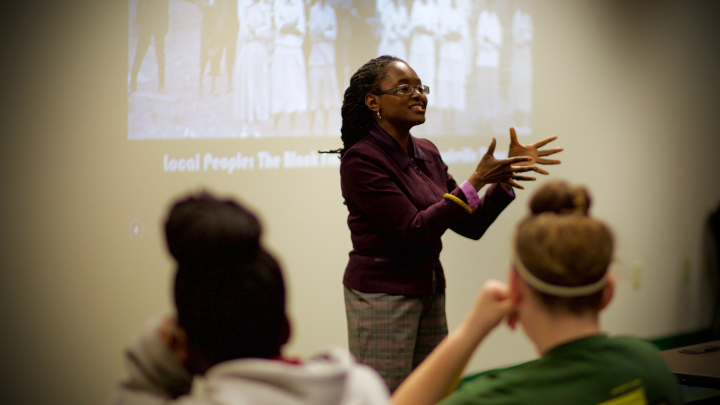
(356, 116)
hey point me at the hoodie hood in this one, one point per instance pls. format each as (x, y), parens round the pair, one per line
(329, 379)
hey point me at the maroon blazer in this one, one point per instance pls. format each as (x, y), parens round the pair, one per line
(397, 214)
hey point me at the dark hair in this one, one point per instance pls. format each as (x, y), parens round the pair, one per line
(356, 116)
(561, 244)
(229, 292)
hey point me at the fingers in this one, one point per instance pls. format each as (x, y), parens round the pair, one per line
(549, 151)
(514, 184)
(540, 170)
(548, 161)
(512, 320)
(513, 137)
(504, 173)
(512, 179)
(523, 178)
(520, 169)
(513, 160)
(543, 142)
(491, 148)
(497, 288)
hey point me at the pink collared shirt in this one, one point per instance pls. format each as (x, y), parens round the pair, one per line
(473, 200)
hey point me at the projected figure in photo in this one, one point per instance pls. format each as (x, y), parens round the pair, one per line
(219, 34)
(266, 68)
(343, 11)
(452, 73)
(357, 40)
(424, 25)
(394, 28)
(521, 75)
(252, 91)
(323, 86)
(153, 18)
(229, 35)
(489, 38)
(466, 10)
(288, 76)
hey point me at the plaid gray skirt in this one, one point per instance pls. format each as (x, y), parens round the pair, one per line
(394, 333)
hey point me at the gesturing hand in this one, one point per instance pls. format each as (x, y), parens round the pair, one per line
(492, 170)
(516, 149)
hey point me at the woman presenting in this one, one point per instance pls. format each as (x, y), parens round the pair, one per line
(401, 200)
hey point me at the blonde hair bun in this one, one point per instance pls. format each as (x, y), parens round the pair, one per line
(559, 197)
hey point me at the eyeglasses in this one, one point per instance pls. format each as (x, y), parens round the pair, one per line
(405, 90)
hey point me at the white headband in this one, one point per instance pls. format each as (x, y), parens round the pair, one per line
(557, 290)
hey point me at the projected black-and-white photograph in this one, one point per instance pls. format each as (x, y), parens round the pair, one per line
(275, 68)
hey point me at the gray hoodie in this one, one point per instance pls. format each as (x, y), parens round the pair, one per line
(155, 377)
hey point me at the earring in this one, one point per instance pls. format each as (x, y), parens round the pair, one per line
(378, 114)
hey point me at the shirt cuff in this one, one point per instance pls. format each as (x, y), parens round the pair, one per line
(509, 192)
(470, 194)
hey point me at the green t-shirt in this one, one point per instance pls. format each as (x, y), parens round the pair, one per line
(593, 371)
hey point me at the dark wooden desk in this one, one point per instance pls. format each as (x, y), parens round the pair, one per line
(697, 370)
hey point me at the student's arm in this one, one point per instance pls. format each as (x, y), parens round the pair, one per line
(155, 375)
(438, 374)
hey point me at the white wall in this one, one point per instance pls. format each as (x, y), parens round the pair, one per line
(631, 88)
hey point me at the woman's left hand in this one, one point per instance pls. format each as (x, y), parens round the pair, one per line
(516, 149)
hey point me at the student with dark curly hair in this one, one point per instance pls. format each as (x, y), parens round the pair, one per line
(401, 199)
(230, 325)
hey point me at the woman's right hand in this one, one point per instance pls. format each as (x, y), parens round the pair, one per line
(492, 304)
(492, 170)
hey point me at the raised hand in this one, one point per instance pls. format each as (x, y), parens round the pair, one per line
(492, 304)
(492, 170)
(516, 149)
